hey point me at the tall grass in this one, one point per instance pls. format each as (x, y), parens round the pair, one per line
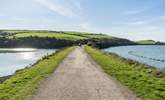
(135, 76)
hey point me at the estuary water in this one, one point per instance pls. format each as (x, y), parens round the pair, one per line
(153, 55)
(18, 58)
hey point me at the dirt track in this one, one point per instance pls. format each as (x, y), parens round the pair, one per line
(78, 77)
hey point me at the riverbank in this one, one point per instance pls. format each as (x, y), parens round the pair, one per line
(137, 77)
(151, 55)
(23, 83)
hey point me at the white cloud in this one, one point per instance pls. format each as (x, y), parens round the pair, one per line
(76, 3)
(137, 23)
(19, 19)
(162, 17)
(85, 26)
(2, 15)
(59, 8)
(89, 27)
(148, 21)
(133, 12)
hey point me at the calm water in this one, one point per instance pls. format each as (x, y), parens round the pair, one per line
(14, 59)
(149, 54)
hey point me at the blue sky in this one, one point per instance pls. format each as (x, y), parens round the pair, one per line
(132, 19)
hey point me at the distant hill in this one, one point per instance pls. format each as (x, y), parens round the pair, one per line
(56, 39)
(150, 42)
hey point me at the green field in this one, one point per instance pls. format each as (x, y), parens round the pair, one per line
(52, 35)
(135, 76)
(96, 35)
(146, 42)
(23, 83)
(149, 42)
(90, 35)
(62, 35)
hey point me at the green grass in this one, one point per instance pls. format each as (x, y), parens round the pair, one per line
(136, 77)
(97, 35)
(90, 35)
(146, 42)
(52, 35)
(149, 42)
(23, 83)
(13, 31)
(63, 35)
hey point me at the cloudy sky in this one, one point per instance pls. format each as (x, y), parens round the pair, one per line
(132, 19)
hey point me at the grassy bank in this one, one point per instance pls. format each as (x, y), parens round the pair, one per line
(23, 83)
(136, 77)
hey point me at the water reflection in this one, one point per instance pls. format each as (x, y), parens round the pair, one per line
(27, 55)
(11, 50)
(153, 55)
(23, 49)
(12, 61)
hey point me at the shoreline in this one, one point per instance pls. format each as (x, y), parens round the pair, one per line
(158, 72)
(137, 55)
(4, 78)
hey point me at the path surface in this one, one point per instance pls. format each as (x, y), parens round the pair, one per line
(78, 77)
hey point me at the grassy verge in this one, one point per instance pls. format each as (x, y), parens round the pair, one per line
(22, 85)
(136, 77)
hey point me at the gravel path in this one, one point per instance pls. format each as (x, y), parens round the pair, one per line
(78, 77)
